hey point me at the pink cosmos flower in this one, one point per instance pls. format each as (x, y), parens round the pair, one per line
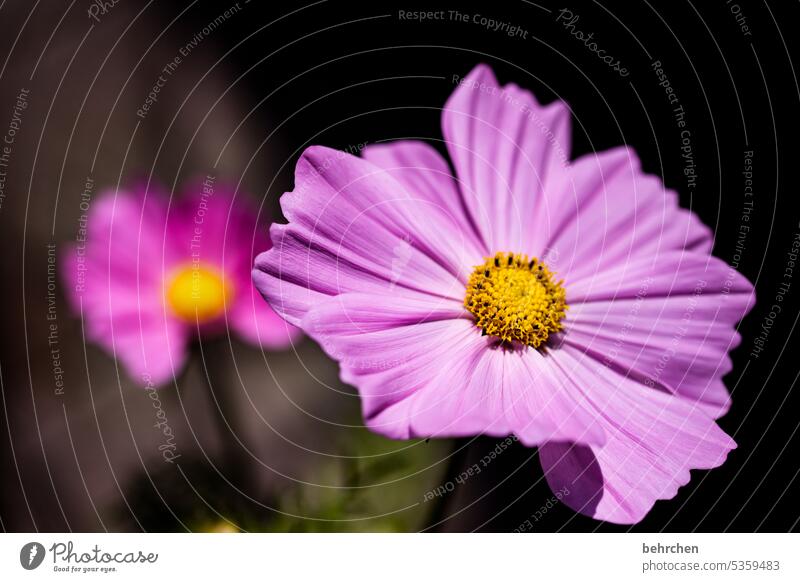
(150, 277)
(436, 289)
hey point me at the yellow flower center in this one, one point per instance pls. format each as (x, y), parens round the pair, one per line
(516, 299)
(198, 294)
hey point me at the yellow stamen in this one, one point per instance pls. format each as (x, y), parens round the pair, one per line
(516, 299)
(198, 294)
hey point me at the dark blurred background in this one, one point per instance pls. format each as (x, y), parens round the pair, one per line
(274, 77)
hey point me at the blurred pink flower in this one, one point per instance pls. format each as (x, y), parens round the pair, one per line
(437, 293)
(150, 277)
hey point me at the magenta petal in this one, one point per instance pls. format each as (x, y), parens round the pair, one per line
(360, 207)
(653, 441)
(121, 296)
(661, 346)
(668, 321)
(425, 173)
(663, 275)
(221, 230)
(522, 386)
(152, 347)
(126, 237)
(302, 270)
(255, 321)
(422, 369)
(506, 148)
(604, 210)
(353, 227)
(215, 226)
(388, 350)
(131, 326)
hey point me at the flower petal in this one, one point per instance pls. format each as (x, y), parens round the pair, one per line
(115, 281)
(152, 347)
(125, 235)
(506, 148)
(670, 324)
(423, 369)
(301, 270)
(387, 350)
(653, 441)
(213, 224)
(256, 322)
(219, 229)
(425, 173)
(355, 228)
(604, 210)
(663, 275)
